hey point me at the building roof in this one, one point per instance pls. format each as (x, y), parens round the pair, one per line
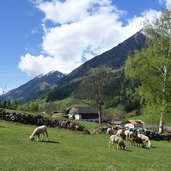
(134, 122)
(83, 110)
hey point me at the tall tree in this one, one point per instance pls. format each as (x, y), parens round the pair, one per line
(152, 66)
(93, 88)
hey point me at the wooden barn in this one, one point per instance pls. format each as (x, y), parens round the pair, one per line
(136, 123)
(84, 113)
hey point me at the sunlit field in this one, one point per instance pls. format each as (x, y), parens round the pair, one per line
(67, 151)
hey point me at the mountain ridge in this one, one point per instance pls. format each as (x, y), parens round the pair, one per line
(62, 86)
(35, 87)
(114, 58)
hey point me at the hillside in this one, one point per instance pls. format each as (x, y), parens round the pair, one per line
(56, 86)
(35, 88)
(113, 58)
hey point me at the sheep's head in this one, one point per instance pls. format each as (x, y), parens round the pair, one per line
(32, 138)
(124, 147)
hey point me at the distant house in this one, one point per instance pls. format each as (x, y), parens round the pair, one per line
(84, 113)
(136, 123)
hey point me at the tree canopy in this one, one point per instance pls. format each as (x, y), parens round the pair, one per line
(152, 66)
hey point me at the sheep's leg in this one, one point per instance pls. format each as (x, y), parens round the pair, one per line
(117, 145)
(113, 144)
(38, 137)
(110, 143)
(47, 135)
(43, 136)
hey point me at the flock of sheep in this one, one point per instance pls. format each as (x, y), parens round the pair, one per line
(136, 138)
(116, 136)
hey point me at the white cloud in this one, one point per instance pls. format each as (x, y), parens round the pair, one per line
(1, 91)
(35, 65)
(166, 2)
(83, 29)
(71, 10)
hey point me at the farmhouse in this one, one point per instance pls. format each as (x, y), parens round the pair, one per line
(136, 123)
(84, 113)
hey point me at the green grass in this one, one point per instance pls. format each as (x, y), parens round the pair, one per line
(89, 125)
(74, 151)
(116, 110)
(73, 102)
(65, 102)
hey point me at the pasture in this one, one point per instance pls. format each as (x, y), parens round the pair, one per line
(74, 151)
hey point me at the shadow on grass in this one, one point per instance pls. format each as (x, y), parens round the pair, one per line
(3, 127)
(127, 150)
(50, 142)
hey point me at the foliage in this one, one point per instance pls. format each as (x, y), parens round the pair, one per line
(152, 66)
(9, 104)
(93, 88)
(62, 91)
(117, 91)
(30, 106)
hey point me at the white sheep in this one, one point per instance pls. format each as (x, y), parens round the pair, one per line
(126, 132)
(145, 139)
(118, 140)
(39, 130)
(109, 131)
(120, 133)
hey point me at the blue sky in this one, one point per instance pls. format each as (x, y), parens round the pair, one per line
(38, 36)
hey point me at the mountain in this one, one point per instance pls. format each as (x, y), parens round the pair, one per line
(35, 88)
(58, 86)
(113, 58)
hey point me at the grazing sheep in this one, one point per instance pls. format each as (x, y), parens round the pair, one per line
(120, 133)
(39, 130)
(118, 140)
(127, 134)
(109, 131)
(145, 139)
(135, 140)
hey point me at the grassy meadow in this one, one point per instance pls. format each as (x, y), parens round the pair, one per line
(74, 151)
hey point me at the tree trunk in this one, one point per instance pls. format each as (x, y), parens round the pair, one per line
(100, 114)
(164, 74)
(161, 124)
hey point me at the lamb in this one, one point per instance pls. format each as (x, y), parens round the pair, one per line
(39, 130)
(118, 140)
